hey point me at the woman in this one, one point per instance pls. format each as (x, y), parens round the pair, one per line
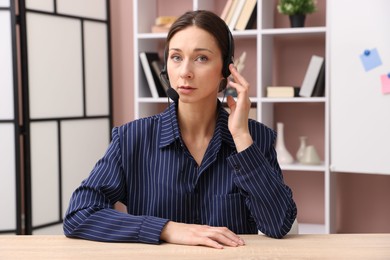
(194, 174)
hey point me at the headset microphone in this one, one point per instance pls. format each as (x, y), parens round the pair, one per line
(172, 94)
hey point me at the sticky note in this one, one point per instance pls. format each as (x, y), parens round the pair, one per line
(370, 59)
(385, 83)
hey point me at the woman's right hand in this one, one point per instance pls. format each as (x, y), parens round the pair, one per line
(192, 234)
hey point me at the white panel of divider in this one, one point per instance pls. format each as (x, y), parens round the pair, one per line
(44, 172)
(55, 66)
(41, 5)
(83, 8)
(96, 68)
(83, 142)
(7, 177)
(6, 67)
(4, 3)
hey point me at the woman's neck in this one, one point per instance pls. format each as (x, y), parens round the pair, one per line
(197, 120)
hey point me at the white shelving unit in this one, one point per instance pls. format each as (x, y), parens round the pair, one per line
(260, 43)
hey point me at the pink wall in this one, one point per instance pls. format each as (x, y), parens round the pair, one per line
(361, 200)
(122, 60)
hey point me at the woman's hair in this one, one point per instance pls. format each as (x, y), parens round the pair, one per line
(211, 23)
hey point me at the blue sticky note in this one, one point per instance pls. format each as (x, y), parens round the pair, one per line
(370, 59)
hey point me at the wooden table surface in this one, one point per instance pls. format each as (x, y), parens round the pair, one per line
(333, 246)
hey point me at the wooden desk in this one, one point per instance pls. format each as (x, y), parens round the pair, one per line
(334, 246)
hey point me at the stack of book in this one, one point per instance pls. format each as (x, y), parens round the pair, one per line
(163, 23)
(282, 91)
(152, 66)
(239, 14)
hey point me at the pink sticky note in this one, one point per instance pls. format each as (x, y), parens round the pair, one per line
(385, 83)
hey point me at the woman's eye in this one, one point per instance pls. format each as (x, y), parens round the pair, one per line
(202, 58)
(176, 58)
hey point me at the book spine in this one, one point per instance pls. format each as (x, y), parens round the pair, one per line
(148, 74)
(236, 14)
(311, 76)
(247, 16)
(226, 9)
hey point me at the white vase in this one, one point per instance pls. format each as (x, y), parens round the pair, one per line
(302, 147)
(310, 156)
(284, 156)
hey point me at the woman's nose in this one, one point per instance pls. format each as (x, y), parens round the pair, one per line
(186, 69)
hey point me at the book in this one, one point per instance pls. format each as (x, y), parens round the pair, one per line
(311, 76)
(163, 24)
(247, 16)
(236, 14)
(153, 80)
(226, 9)
(229, 15)
(282, 91)
(319, 87)
(157, 66)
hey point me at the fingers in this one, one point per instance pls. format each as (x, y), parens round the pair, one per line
(191, 234)
(231, 102)
(227, 237)
(239, 83)
(219, 236)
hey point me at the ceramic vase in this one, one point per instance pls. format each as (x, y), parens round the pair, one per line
(311, 156)
(284, 156)
(302, 147)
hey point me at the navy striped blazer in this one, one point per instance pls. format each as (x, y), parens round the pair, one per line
(148, 168)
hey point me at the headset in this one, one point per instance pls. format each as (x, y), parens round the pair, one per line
(171, 92)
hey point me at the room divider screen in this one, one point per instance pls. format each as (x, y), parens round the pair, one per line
(67, 114)
(10, 194)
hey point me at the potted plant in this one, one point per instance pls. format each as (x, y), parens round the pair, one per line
(297, 10)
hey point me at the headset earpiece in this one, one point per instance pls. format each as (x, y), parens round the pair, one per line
(222, 85)
(227, 61)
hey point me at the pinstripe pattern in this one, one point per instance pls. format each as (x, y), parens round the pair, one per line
(148, 168)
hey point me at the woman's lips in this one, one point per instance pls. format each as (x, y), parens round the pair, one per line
(186, 89)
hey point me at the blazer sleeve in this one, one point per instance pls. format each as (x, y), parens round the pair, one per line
(259, 177)
(91, 214)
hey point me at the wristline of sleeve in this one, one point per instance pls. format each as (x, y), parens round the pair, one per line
(151, 228)
(248, 160)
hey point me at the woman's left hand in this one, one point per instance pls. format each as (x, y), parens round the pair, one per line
(239, 111)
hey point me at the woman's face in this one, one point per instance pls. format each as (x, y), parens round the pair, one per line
(194, 64)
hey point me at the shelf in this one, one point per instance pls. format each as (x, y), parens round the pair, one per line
(303, 167)
(251, 33)
(294, 100)
(238, 34)
(152, 100)
(151, 36)
(286, 31)
(245, 33)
